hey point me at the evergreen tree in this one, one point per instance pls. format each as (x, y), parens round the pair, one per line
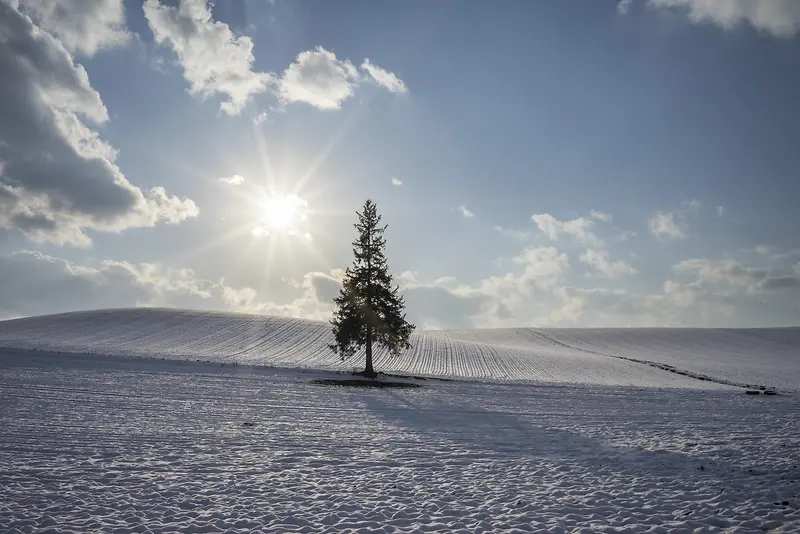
(368, 308)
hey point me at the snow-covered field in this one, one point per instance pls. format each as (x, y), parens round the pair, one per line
(105, 444)
(769, 357)
(128, 421)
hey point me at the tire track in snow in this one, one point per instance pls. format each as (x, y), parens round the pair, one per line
(657, 365)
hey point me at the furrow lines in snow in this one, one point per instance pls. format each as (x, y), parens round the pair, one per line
(635, 357)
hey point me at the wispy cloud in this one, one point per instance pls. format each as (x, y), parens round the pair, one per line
(692, 204)
(236, 179)
(384, 78)
(600, 216)
(466, 213)
(780, 18)
(510, 232)
(664, 225)
(731, 275)
(579, 229)
(605, 267)
(396, 182)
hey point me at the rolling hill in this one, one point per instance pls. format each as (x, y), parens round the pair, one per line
(656, 357)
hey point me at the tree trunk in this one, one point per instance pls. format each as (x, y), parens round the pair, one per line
(368, 370)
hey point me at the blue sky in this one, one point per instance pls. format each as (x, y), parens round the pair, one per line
(538, 163)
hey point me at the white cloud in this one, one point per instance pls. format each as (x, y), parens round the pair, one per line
(396, 182)
(684, 304)
(57, 285)
(82, 26)
(770, 255)
(490, 302)
(507, 296)
(702, 293)
(510, 232)
(675, 304)
(600, 216)
(572, 307)
(35, 283)
(407, 277)
(317, 77)
(596, 307)
(720, 211)
(579, 229)
(729, 276)
(664, 225)
(384, 78)
(538, 269)
(439, 304)
(236, 179)
(605, 267)
(543, 266)
(169, 208)
(780, 18)
(214, 60)
(623, 6)
(466, 213)
(58, 177)
(315, 301)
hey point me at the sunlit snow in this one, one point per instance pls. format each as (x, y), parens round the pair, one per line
(553, 432)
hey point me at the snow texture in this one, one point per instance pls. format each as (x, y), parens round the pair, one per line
(107, 444)
(666, 357)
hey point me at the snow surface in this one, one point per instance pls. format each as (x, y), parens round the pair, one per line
(106, 444)
(769, 357)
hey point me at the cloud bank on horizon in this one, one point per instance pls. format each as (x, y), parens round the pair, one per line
(210, 155)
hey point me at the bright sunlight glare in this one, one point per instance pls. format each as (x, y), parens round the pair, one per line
(280, 213)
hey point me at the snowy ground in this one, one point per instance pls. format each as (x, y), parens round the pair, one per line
(769, 357)
(90, 444)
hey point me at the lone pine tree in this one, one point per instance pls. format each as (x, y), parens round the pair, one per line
(368, 309)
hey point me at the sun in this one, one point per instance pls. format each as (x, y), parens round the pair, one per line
(280, 213)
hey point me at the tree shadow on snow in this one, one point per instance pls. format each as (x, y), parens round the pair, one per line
(470, 428)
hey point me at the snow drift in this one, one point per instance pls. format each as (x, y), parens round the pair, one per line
(658, 357)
